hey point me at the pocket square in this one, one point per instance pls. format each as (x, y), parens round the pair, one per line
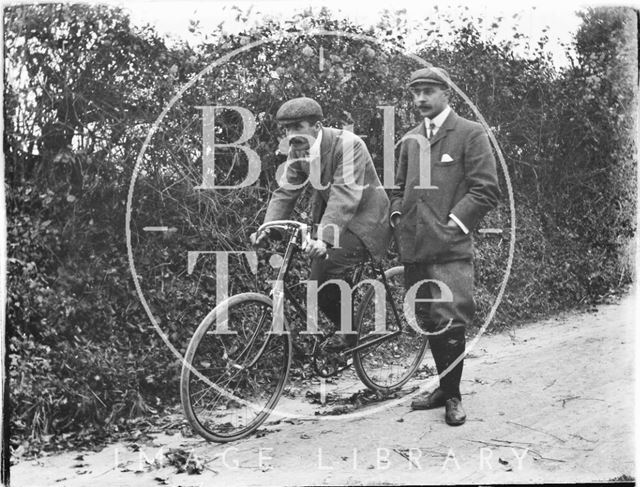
(446, 158)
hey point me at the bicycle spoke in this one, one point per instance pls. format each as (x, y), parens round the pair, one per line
(391, 362)
(250, 366)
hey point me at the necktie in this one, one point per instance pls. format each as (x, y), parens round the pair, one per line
(432, 129)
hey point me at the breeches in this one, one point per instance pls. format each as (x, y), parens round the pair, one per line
(339, 264)
(448, 347)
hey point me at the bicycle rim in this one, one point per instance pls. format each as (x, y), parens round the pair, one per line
(389, 364)
(231, 382)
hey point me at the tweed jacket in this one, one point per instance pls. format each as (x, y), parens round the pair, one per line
(351, 198)
(463, 171)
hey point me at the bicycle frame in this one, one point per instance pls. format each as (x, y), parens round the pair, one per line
(298, 237)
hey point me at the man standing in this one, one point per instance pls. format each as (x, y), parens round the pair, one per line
(432, 221)
(348, 204)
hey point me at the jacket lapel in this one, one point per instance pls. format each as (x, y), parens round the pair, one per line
(422, 129)
(326, 146)
(318, 202)
(449, 124)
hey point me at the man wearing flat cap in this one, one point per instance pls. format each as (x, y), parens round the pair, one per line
(348, 204)
(433, 221)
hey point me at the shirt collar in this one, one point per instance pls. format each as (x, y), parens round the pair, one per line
(439, 119)
(314, 151)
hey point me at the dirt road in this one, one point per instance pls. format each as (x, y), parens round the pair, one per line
(551, 401)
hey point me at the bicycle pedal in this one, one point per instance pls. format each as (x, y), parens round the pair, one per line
(332, 366)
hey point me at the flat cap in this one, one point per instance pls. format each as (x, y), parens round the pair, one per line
(432, 75)
(298, 109)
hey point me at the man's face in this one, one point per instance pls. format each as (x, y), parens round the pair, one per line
(430, 99)
(301, 128)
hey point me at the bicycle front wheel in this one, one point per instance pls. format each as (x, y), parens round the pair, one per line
(231, 381)
(388, 364)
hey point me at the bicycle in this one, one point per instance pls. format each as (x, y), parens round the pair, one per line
(230, 383)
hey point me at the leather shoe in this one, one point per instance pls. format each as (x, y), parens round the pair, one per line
(436, 399)
(454, 414)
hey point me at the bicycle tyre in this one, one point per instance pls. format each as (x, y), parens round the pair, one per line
(380, 367)
(254, 363)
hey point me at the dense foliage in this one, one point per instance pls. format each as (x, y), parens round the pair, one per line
(83, 88)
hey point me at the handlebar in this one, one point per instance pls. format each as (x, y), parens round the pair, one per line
(288, 225)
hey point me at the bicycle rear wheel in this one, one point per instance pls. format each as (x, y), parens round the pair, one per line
(390, 363)
(231, 382)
